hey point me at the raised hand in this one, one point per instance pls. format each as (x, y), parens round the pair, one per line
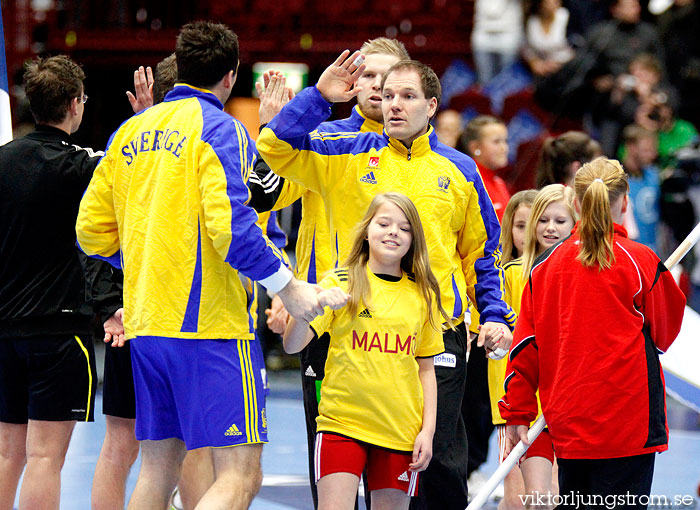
(114, 329)
(273, 95)
(143, 87)
(337, 81)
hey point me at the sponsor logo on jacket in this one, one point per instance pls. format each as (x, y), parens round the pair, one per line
(369, 178)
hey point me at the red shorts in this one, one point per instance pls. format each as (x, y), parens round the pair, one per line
(386, 469)
(541, 447)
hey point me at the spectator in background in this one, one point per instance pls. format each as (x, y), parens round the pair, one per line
(644, 186)
(496, 37)
(546, 46)
(616, 42)
(561, 157)
(630, 90)
(583, 16)
(658, 113)
(679, 27)
(448, 126)
(485, 139)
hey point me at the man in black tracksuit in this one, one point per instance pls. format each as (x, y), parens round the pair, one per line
(47, 366)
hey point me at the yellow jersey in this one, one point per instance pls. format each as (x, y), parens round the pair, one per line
(371, 391)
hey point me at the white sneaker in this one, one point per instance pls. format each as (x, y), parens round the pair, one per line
(176, 500)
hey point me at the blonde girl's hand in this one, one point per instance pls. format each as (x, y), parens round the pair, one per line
(493, 336)
(514, 434)
(422, 451)
(334, 298)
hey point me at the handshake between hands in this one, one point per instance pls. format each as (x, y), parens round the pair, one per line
(304, 302)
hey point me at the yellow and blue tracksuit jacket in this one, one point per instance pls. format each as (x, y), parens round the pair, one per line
(167, 202)
(348, 169)
(314, 255)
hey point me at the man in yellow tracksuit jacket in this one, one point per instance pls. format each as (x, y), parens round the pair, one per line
(461, 227)
(168, 204)
(314, 254)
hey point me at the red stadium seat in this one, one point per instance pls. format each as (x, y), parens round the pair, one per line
(472, 98)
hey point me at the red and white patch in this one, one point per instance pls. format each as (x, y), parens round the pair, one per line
(374, 161)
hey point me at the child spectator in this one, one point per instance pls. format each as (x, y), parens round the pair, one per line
(645, 189)
(562, 156)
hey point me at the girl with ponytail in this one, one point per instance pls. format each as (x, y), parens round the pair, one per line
(596, 311)
(601, 190)
(562, 156)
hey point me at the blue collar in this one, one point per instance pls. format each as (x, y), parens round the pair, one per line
(184, 91)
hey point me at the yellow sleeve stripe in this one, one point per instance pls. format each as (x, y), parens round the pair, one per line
(242, 152)
(497, 264)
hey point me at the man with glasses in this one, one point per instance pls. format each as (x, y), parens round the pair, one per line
(47, 367)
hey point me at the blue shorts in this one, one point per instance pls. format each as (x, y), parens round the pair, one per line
(204, 392)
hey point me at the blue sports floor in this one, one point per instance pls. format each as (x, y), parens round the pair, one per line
(285, 484)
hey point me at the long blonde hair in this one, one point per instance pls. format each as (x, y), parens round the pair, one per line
(415, 261)
(526, 197)
(598, 184)
(546, 196)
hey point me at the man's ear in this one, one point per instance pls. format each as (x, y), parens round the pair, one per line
(432, 107)
(73, 106)
(229, 79)
(235, 75)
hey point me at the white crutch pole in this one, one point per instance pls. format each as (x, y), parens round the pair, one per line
(519, 450)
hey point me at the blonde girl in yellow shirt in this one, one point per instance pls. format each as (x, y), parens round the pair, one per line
(379, 397)
(549, 218)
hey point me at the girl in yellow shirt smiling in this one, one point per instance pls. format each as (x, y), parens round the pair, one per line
(379, 397)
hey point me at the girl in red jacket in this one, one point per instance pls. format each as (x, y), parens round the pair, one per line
(485, 139)
(596, 312)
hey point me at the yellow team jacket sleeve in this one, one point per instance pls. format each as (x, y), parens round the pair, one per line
(480, 251)
(289, 144)
(96, 228)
